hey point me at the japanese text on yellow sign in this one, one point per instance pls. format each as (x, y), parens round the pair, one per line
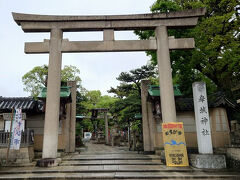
(174, 144)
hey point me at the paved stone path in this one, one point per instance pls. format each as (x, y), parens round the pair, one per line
(106, 162)
(95, 149)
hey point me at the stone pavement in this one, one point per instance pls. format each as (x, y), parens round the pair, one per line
(106, 162)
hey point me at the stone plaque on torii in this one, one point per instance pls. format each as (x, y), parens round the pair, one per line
(56, 25)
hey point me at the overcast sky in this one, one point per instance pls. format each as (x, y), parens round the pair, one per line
(98, 70)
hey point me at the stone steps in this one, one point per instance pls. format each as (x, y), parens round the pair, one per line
(114, 172)
(122, 175)
(102, 159)
(111, 162)
(96, 169)
(111, 157)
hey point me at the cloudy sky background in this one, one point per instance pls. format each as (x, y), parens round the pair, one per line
(98, 70)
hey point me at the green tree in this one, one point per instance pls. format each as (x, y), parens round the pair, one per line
(130, 81)
(128, 92)
(106, 102)
(70, 73)
(36, 79)
(94, 99)
(216, 58)
(91, 100)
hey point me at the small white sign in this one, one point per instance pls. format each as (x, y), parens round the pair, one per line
(8, 124)
(202, 118)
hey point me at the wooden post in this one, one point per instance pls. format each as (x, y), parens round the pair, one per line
(106, 127)
(10, 135)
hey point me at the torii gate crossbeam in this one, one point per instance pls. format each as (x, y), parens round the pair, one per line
(56, 25)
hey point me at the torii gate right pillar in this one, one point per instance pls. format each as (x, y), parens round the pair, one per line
(165, 75)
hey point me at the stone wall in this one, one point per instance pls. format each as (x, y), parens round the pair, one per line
(36, 123)
(233, 157)
(38, 142)
(23, 155)
(219, 127)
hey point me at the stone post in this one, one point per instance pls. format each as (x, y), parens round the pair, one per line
(72, 133)
(165, 75)
(51, 124)
(145, 121)
(205, 159)
(67, 128)
(202, 120)
(152, 125)
(106, 127)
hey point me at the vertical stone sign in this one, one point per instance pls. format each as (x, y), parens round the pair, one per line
(202, 118)
(174, 144)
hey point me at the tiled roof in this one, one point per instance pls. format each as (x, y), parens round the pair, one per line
(26, 103)
(214, 100)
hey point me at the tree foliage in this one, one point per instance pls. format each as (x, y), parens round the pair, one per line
(216, 58)
(91, 100)
(70, 73)
(36, 79)
(94, 99)
(128, 92)
(130, 81)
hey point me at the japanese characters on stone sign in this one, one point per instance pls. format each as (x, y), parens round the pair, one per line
(17, 127)
(174, 144)
(202, 118)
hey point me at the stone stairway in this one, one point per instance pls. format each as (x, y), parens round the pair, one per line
(105, 162)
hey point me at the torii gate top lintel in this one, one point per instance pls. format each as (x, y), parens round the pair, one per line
(44, 23)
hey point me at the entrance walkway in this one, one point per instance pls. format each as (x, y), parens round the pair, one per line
(106, 162)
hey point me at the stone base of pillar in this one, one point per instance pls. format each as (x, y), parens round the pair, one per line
(207, 161)
(49, 162)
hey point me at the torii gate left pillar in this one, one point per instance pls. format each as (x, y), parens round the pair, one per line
(51, 124)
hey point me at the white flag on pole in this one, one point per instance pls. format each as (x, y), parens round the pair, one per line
(17, 127)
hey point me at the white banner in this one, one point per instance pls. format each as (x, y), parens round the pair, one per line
(17, 128)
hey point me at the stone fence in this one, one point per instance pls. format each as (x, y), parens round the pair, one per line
(26, 152)
(27, 138)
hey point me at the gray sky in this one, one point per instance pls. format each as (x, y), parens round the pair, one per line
(98, 70)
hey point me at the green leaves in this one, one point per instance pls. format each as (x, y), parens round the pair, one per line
(36, 79)
(216, 56)
(128, 92)
(70, 73)
(164, 6)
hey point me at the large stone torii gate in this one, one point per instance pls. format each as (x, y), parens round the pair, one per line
(56, 25)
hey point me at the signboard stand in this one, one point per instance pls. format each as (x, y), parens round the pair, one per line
(174, 144)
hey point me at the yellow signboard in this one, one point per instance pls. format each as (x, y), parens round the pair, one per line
(174, 144)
